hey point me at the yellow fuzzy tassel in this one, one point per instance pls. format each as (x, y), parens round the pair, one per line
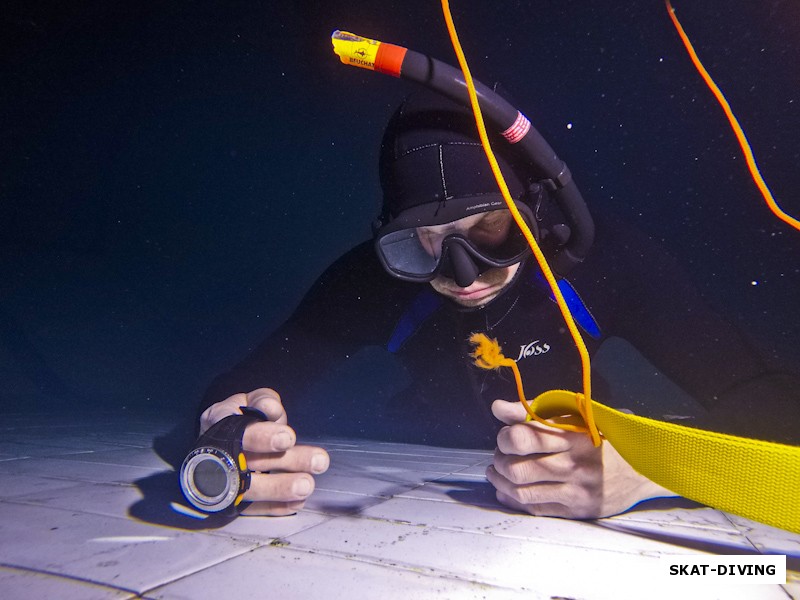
(488, 354)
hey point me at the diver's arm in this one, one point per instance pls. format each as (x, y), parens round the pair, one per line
(352, 305)
(288, 360)
(329, 326)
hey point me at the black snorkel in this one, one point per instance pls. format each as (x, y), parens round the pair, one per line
(548, 170)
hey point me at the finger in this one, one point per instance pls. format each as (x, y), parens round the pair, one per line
(279, 487)
(514, 412)
(299, 459)
(533, 438)
(272, 509)
(533, 468)
(216, 412)
(543, 492)
(509, 412)
(266, 436)
(268, 401)
(546, 498)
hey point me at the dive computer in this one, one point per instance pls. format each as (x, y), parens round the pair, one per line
(214, 476)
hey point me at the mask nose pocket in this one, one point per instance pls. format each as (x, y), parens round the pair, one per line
(464, 269)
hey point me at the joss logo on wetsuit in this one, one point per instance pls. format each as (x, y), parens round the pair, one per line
(535, 348)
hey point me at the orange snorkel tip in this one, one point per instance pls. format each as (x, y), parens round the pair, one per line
(369, 54)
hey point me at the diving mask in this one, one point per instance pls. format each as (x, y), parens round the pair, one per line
(460, 249)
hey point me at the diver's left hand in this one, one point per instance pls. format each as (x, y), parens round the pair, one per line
(550, 472)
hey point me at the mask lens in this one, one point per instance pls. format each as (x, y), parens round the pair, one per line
(403, 252)
(416, 252)
(497, 236)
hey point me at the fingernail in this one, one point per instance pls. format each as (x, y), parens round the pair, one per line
(319, 463)
(301, 487)
(281, 441)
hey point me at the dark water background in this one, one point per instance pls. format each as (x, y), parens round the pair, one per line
(175, 175)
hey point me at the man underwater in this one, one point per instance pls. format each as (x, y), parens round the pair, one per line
(447, 261)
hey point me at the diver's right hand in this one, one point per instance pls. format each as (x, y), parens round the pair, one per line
(270, 446)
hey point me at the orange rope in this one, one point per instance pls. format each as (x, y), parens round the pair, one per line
(488, 355)
(745, 145)
(583, 400)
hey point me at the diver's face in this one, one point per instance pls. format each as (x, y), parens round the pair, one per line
(483, 290)
(487, 231)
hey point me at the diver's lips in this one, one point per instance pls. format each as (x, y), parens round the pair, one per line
(479, 293)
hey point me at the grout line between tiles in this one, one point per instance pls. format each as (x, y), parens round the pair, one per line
(163, 466)
(624, 519)
(493, 506)
(414, 454)
(168, 580)
(740, 530)
(434, 573)
(165, 584)
(360, 494)
(75, 578)
(22, 502)
(505, 535)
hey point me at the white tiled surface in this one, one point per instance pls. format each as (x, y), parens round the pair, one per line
(85, 513)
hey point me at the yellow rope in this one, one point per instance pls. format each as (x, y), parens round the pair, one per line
(740, 136)
(584, 403)
(756, 479)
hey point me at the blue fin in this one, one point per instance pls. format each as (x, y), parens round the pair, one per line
(576, 305)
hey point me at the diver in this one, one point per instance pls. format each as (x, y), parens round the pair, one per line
(447, 261)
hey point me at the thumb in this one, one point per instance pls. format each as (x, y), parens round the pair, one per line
(508, 412)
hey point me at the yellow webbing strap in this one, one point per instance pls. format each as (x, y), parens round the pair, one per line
(752, 478)
(755, 479)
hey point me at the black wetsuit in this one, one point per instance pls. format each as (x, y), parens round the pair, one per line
(632, 290)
